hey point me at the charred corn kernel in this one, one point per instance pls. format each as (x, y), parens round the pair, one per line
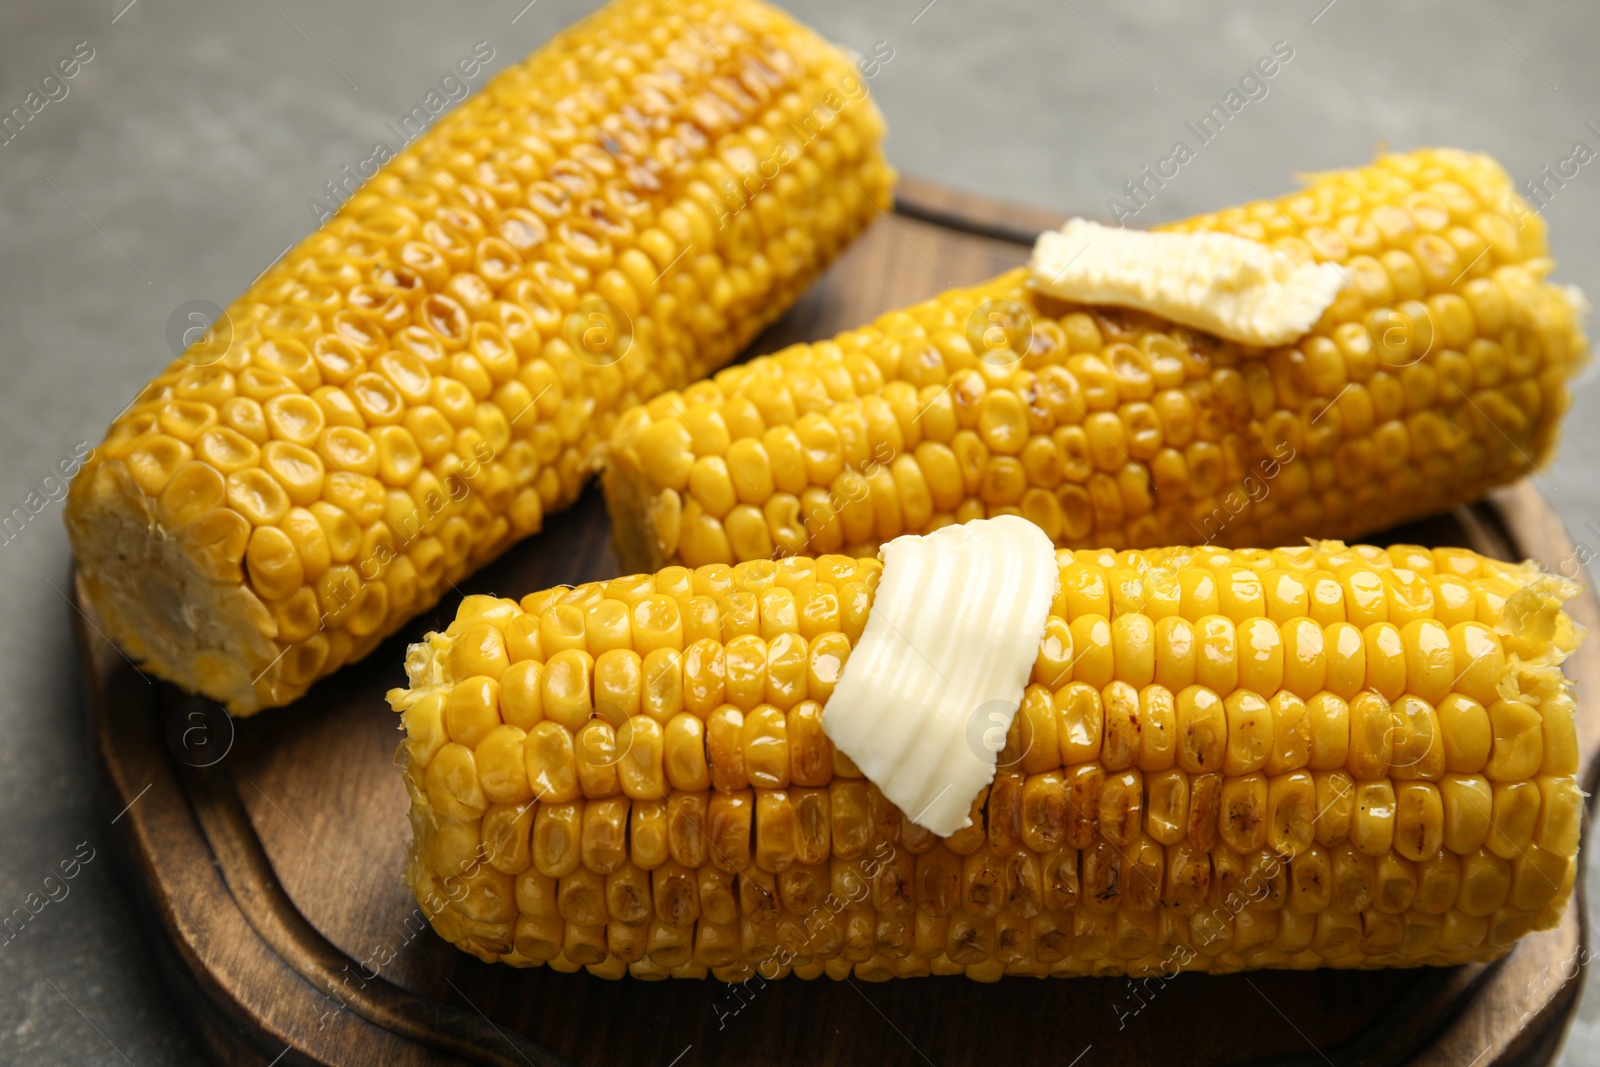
(1244, 812)
(709, 824)
(1123, 725)
(1291, 813)
(1202, 731)
(1205, 809)
(442, 363)
(1110, 426)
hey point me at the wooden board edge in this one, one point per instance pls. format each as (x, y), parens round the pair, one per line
(955, 209)
(215, 1020)
(216, 1016)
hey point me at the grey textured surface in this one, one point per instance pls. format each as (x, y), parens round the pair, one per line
(181, 161)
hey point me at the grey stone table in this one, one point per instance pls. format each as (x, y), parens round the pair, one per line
(182, 157)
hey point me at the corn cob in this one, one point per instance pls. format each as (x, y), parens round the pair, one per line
(417, 384)
(1439, 371)
(1289, 758)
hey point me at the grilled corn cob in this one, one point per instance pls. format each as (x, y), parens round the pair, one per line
(1438, 371)
(417, 384)
(1222, 759)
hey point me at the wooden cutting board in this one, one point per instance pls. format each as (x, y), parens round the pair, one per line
(264, 855)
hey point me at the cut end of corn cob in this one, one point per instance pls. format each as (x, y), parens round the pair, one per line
(1302, 757)
(417, 384)
(1440, 371)
(1241, 290)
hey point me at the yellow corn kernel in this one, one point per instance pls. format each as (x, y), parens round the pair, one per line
(1485, 883)
(1513, 816)
(1291, 733)
(557, 835)
(472, 709)
(1417, 751)
(1372, 734)
(1336, 802)
(1466, 734)
(567, 694)
(502, 771)
(596, 750)
(648, 850)
(507, 838)
(1518, 745)
(1081, 722)
(453, 788)
(640, 767)
(551, 763)
(603, 846)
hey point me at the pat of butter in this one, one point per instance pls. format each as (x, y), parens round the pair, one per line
(928, 693)
(1236, 288)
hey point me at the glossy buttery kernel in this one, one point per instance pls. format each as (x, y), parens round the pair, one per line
(1213, 767)
(417, 384)
(1440, 371)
